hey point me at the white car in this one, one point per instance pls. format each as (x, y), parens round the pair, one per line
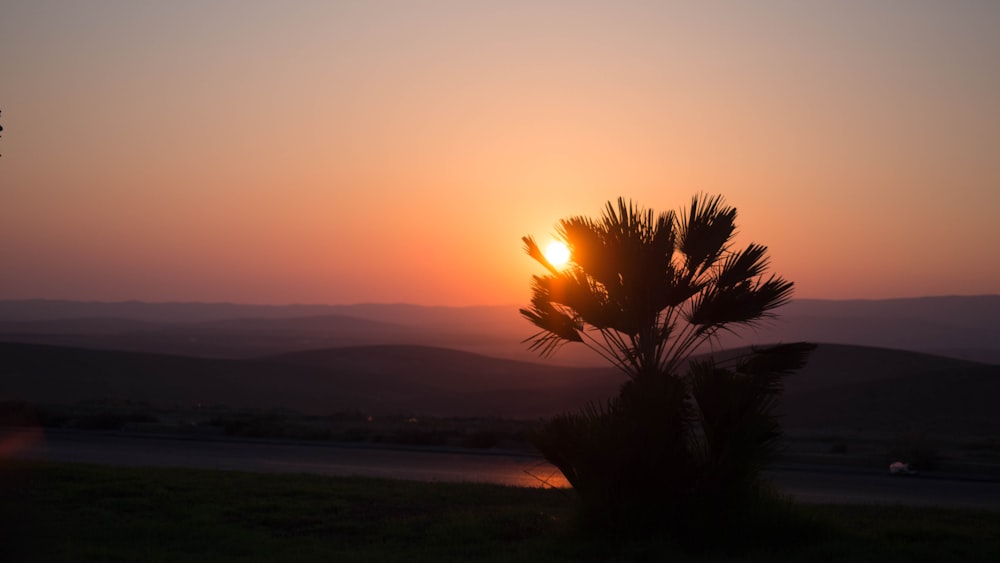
(900, 468)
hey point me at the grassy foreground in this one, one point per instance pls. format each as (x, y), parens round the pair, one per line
(72, 512)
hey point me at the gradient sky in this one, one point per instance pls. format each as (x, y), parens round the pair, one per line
(342, 152)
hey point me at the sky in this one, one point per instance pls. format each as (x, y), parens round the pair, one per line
(346, 152)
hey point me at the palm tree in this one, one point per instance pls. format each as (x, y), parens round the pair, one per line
(646, 291)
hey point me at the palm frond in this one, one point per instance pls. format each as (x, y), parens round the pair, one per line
(531, 247)
(747, 264)
(741, 304)
(557, 325)
(705, 232)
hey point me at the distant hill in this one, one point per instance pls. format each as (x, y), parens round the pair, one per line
(956, 326)
(375, 379)
(963, 327)
(841, 388)
(851, 388)
(32, 310)
(895, 365)
(229, 338)
(255, 331)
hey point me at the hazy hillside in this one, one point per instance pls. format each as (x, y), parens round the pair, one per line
(387, 380)
(230, 338)
(836, 365)
(876, 389)
(493, 331)
(842, 387)
(960, 402)
(961, 327)
(471, 361)
(31, 310)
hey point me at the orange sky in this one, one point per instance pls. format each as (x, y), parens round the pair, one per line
(320, 152)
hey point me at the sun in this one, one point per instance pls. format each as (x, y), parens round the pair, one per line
(557, 253)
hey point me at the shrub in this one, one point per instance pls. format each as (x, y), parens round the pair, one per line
(667, 445)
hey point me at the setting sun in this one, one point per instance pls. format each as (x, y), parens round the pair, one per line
(456, 141)
(557, 253)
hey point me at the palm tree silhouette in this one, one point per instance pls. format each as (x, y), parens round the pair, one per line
(646, 291)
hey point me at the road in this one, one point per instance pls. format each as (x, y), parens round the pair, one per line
(806, 483)
(279, 456)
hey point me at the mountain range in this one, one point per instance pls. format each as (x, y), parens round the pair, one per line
(962, 327)
(876, 366)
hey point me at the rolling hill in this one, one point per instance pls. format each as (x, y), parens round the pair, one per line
(960, 327)
(375, 379)
(842, 388)
(852, 388)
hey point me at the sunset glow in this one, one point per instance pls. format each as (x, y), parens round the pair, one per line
(343, 152)
(557, 253)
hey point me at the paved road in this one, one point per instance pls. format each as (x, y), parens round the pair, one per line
(838, 485)
(808, 483)
(417, 464)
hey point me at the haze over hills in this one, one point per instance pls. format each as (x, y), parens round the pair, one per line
(851, 388)
(954, 326)
(881, 364)
(961, 327)
(841, 388)
(371, 379)
(247, 331)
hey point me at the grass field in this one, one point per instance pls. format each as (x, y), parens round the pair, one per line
(71, 512)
